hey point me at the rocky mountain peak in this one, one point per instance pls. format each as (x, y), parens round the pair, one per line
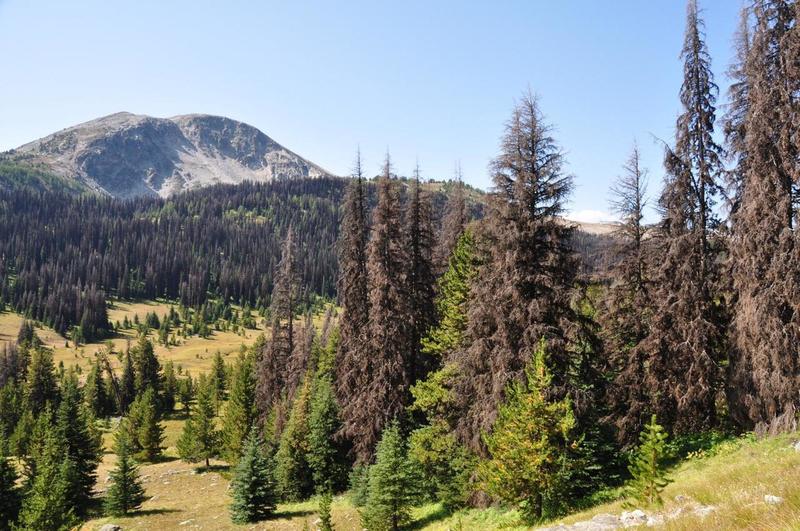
(127, 155)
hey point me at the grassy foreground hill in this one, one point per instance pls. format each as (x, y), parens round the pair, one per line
(728, 483)
(729, 486)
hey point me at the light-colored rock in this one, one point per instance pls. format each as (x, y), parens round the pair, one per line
(796, 446)
(704, 510)
(655, 520)
(633, 518)
(606, 519)
(674, 513)
(110, 527)
(187, 522)
(770, 499)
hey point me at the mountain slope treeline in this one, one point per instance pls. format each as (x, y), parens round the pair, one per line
(62, 255)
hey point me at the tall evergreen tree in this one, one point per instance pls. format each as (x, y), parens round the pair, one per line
(146, 367)
(145, 430)
(352, 357)
(126, 492)
(41, 382)
(384, 392)
(127, 386)
(95, 392)
(764, 375)
(253, 485)
(169, 389)
(48, 501)
(325, 455)
(83, 443)
(453, 224)
(687, 330)
(735, 119)
(240, 411)
(419, 277)
(523, 288)
(218, 377)
(447, 466)
(393, 484)
(627, 306)
(200, 439)
(272, 374)
(10, 495)
(292, 472)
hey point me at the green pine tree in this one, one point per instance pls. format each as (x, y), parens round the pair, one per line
(253, 485)
(47, 503)
(186, 391)
(647, 465)
(12, 402)
(292, 471)
(218, 376)
(41, 380)
(240, 412)
(9, 493)
(325, 457)
(530, 444)
(451, 301)
(94, 391)
(146, 368)
(126, 492)
(446, 465)
(393, 484)
(169, 388)
(200, 438)
(325, 520)
(127, 385)
(144, 427)
(76, 427)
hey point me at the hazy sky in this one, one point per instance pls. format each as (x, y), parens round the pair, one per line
(429, 80)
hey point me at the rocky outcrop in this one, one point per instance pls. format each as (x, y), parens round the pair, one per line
(637, 518)
(128, 155)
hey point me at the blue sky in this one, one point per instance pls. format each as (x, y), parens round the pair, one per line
(431, 81)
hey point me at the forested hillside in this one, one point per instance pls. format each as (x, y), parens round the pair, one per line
(63, 256)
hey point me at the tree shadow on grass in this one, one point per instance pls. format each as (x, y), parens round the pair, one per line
(160, 459)
(220, 469)
(151, 512)
(291, 514)
(439, 514)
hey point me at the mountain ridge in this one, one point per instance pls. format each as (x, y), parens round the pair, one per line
(128, 155)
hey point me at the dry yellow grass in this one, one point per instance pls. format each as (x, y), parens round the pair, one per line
(193, 354)
(734, 482)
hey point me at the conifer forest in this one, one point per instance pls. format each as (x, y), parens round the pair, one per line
(407, 353)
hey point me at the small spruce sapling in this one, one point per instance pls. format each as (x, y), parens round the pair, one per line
(647, 465)
(253, 484)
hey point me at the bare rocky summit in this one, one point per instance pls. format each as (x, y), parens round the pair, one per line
(128, 155)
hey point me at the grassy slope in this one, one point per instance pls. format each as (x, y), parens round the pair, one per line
(734, 480)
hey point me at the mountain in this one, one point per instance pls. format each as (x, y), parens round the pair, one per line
(128, 155)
